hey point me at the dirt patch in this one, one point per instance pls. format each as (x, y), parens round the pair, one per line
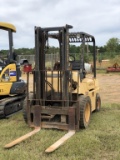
(109, 87)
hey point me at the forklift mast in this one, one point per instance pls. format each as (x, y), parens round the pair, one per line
(41, 37)
(64, 38)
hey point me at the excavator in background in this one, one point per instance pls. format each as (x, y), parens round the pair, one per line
(12, 88)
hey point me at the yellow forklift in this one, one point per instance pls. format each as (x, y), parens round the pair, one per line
(12, 88)
(64, 96)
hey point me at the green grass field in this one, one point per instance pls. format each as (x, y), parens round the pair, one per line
(100, 141)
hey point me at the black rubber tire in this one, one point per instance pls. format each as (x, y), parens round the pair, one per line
(85, 111)
(25, 107)
(98, 103)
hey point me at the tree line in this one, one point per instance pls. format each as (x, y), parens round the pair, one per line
(110, 50)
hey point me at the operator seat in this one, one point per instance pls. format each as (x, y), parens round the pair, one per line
(56, 66)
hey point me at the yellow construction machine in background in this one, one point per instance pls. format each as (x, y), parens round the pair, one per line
(12, 88)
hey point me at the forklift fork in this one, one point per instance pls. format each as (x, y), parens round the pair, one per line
(36, 123)
(58, 143)
(22, 138)
(50, 149)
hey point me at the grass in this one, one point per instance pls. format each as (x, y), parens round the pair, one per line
(101, 140)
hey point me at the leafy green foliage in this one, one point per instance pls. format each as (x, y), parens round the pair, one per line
(110, 50)
(113, 45)
(26, 51)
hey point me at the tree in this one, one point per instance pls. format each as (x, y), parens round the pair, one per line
(112, 45)
(74, 49)
(102, 49)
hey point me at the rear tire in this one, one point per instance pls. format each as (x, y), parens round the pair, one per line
(25, 107)
(98, 103)
(85, 111)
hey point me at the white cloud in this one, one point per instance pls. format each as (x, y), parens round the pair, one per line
(99, 18)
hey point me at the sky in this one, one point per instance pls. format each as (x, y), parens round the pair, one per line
(98, 18)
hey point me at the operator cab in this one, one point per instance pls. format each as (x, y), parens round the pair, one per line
(8, 60)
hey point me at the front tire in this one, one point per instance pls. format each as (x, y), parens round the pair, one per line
(85, 111)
